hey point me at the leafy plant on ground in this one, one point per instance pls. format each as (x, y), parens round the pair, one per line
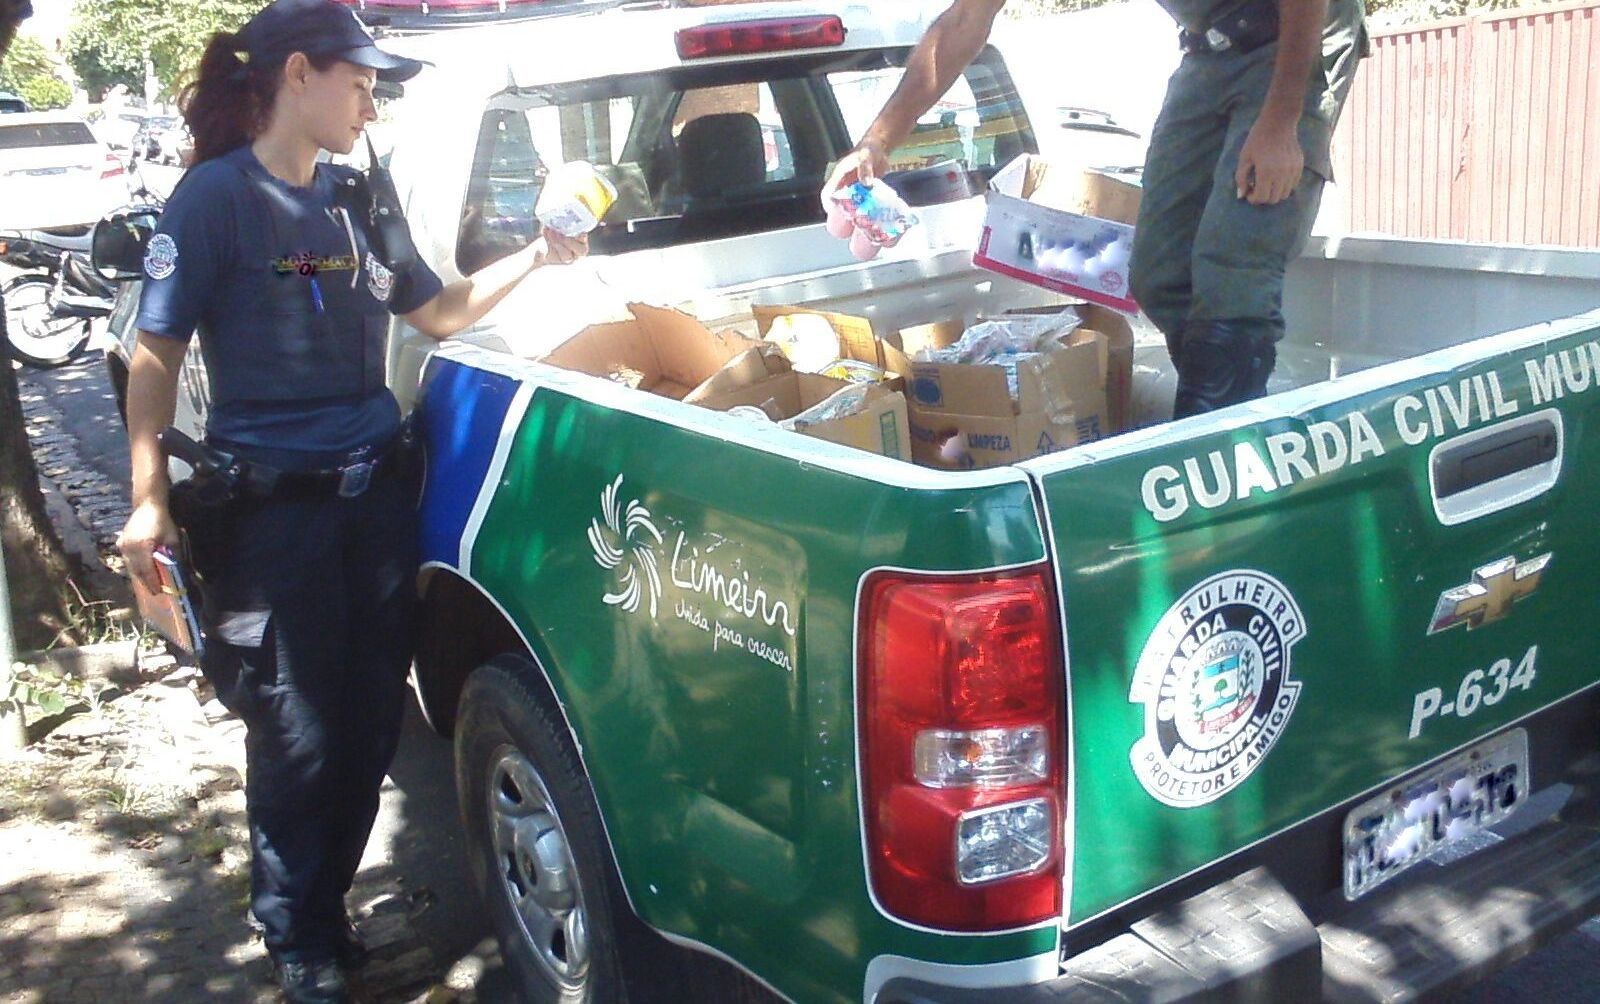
(24, 686)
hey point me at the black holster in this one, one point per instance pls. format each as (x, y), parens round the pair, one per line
(204, 509)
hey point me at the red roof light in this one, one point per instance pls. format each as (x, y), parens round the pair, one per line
(745, 38)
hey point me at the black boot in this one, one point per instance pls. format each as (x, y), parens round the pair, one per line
(349, 949)
(1221, 363)
(311, 981)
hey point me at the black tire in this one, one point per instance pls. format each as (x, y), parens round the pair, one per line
(32, 336)
(507, 715)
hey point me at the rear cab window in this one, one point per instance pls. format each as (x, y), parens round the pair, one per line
(706, 152)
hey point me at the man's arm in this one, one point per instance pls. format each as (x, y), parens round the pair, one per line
(951, 43)
(1271, 162)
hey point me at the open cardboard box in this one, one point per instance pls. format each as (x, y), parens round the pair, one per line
(856, 340)
(881, 427)
(1116, 369)
(963, 415)
(1040, 228)
(661, 350)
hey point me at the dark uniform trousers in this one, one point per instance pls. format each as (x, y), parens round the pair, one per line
(311, 638)
(1208, 266)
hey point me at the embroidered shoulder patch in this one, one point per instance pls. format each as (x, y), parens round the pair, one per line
(161, 257)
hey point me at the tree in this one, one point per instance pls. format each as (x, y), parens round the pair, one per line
(27, 70)
(110, 39)
(38, 573)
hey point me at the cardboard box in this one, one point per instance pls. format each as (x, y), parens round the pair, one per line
(937, 335)
(881, 428)
(1084, 191)
(1116, 375)
(662, 351)
(963, 415)
(754, 365)
(856, 339)
(1054, 248)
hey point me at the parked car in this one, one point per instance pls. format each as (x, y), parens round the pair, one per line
(12, 103)
(738, 711)
(55, 173)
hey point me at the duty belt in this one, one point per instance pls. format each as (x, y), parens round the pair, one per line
(361, 470)
(1244, 28)
(221, 475)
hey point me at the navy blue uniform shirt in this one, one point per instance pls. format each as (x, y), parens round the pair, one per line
(290, 304)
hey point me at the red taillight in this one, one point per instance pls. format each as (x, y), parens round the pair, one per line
(963, 747)
(744, 38)
(112, 169)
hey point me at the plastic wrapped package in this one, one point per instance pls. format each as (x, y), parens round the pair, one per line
(1003, 343)
(751, 413)
(808, 340)
(843, 403)
(574, 199)
(856, 371)
(871, 214)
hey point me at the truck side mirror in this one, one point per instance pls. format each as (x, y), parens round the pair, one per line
(117, 247)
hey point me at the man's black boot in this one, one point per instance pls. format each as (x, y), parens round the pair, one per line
(1221, 363)
(311, 981)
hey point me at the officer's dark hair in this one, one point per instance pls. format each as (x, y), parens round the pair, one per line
(227, 103)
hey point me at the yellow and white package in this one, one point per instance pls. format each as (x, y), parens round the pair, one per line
(575, 198)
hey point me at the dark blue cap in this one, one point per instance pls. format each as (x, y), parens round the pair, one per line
(320, 28)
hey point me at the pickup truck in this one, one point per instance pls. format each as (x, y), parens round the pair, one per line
(1289, 701)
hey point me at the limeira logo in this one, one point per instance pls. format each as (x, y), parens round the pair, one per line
(1215, 685)
(624, 540)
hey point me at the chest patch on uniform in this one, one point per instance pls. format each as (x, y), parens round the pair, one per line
(380, 281)
(161, 257)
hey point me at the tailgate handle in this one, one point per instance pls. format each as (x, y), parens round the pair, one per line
(1493, 468)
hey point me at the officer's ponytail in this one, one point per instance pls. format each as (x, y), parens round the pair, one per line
(228, 102)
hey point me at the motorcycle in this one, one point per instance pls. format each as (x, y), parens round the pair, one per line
(52, 306)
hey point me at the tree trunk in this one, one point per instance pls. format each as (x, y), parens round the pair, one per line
(37, 569)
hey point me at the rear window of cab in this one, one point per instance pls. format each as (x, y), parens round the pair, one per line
(705, 152)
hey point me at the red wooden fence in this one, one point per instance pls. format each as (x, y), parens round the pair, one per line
(1479, 128)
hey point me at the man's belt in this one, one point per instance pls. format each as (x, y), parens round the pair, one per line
(1244, 28)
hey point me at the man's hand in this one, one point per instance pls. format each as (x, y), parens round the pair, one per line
(148, 528)
(1270, 164)
(867, 161)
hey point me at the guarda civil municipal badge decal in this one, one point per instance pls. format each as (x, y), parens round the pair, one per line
(1214, 682)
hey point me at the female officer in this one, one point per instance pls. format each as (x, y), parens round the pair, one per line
(309, 608)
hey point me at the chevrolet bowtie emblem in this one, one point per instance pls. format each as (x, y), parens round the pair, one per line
(1490, 595)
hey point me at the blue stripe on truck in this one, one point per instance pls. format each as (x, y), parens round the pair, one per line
(462, 411)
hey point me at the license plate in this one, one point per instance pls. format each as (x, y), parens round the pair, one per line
(1431, 813)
